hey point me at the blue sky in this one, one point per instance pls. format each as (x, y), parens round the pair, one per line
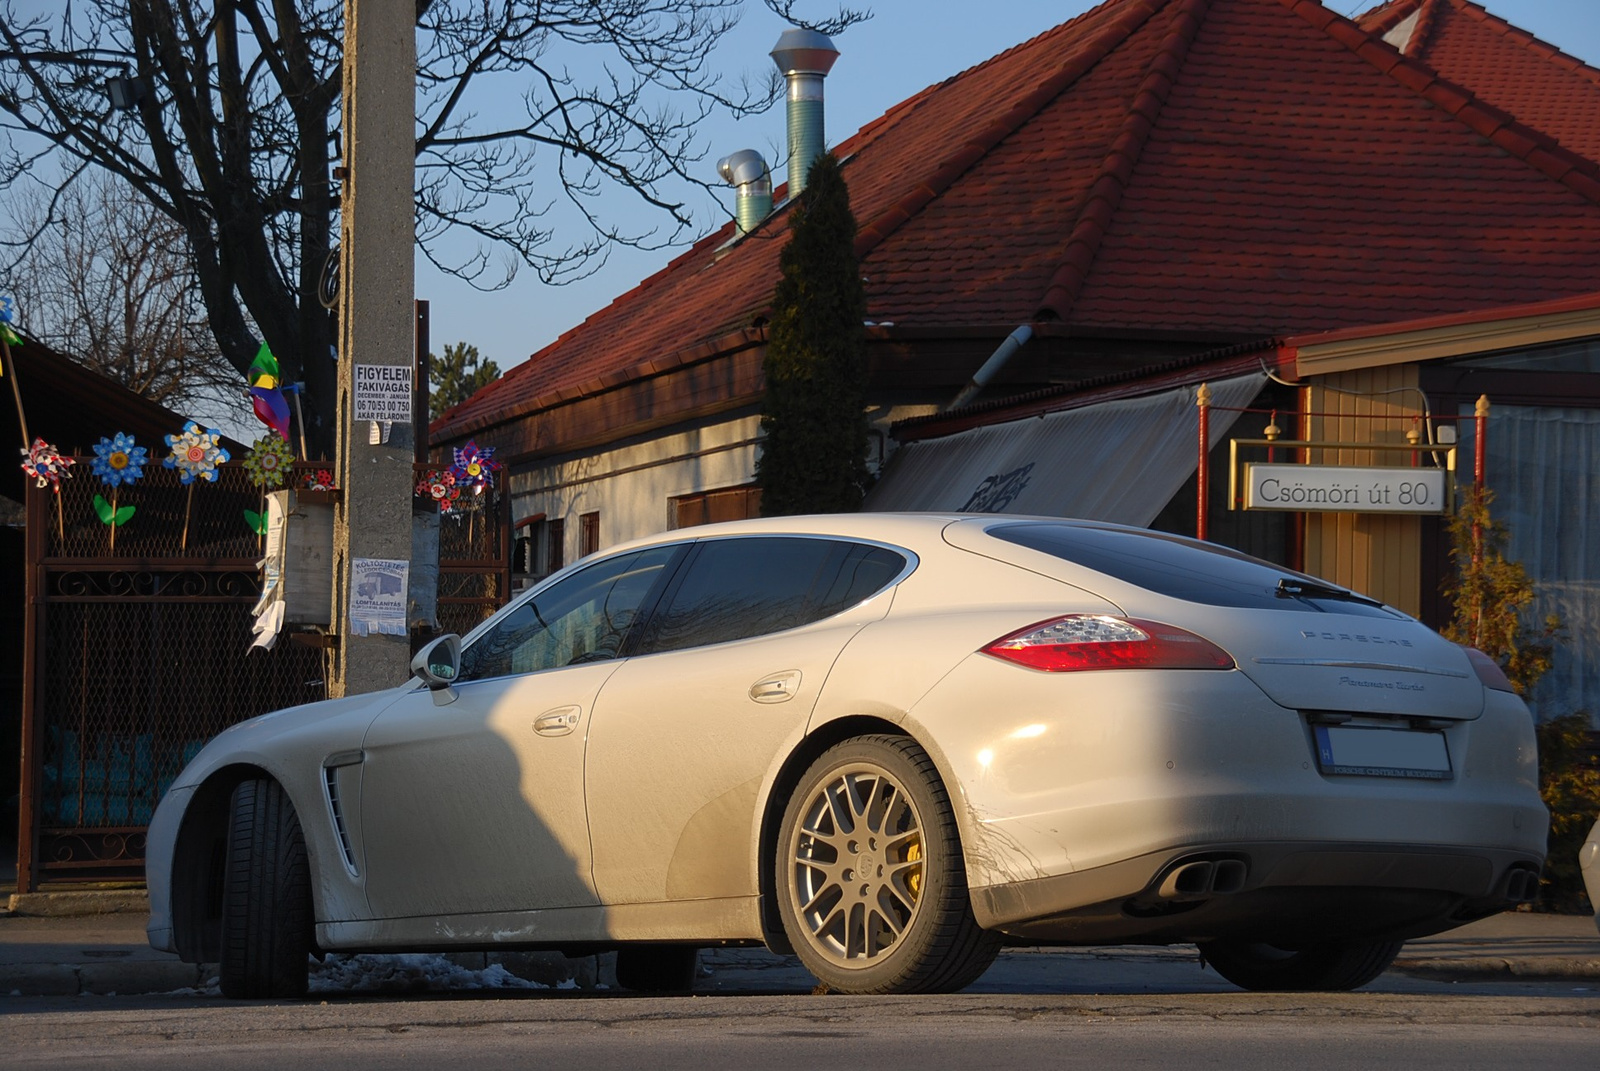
(908, 45)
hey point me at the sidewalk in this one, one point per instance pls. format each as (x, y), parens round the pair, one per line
(106, 952)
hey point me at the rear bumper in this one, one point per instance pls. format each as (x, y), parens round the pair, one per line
(1278, 891)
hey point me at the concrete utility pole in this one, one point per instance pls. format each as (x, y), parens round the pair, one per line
(372, 524)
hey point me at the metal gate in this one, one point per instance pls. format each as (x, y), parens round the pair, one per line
(137, 652)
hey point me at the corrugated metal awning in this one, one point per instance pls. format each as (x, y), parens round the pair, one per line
(1118, 461)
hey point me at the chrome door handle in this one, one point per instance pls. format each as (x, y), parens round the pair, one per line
(776, 687)
(558, 722)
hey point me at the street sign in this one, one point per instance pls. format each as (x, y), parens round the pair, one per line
(1345, 489)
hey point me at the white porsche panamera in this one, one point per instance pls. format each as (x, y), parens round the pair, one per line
(889, 743)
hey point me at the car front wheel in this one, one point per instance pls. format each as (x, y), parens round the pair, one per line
(266, 905)
(870, 880)
(1328, 966)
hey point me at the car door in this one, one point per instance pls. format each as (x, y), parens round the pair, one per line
(478, 805)
(727, 670)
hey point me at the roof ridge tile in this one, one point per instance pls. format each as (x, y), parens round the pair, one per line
(1105, 193)
(1386, 16)
(1078, 63)
(1422, 33)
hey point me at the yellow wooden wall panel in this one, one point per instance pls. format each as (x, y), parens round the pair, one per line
(1373, 553)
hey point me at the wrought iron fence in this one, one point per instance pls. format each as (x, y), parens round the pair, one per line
(139, 650)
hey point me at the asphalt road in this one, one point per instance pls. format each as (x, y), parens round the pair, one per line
(1142, 1011)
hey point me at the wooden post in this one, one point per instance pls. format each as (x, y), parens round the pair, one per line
(1202, 399)
(1480, 431)
(1480, 439)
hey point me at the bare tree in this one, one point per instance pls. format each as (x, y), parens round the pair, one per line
(235, 124)
(111, 284)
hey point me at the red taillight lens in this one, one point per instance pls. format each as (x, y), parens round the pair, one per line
(1488, 670)
(1098, 641)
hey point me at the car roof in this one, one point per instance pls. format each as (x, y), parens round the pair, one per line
(909, 529)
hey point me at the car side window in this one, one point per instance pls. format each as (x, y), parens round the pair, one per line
(584, 618)
(733, 589)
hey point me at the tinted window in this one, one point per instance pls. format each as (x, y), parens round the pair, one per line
(584, 618)
(1178, 567)
(737, 588)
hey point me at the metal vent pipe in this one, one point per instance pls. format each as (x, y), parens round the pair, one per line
(748, 174)
(804, 57)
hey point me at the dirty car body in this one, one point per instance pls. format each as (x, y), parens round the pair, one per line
(890, 743)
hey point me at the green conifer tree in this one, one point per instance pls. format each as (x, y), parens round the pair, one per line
(814, 415)
(456, 376)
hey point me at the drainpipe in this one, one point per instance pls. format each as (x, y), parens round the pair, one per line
(804, 57)
(991, 367)
(747, 172)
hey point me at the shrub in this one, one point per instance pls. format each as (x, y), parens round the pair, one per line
(1489, 595)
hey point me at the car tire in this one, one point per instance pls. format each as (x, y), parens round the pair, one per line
(266, 896)
(657, 968)
(869, 876)
(1330, 966)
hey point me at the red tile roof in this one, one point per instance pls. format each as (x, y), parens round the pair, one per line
(1211, 167)
(1505, 66)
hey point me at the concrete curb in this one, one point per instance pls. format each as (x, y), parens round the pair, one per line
(79, 904)
(1490, 968)
(103, 979)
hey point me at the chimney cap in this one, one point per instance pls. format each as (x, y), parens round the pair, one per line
(742, 167)
(800, 51)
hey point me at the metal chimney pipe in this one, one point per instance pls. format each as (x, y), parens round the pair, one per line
(804, 57)
(748, 173)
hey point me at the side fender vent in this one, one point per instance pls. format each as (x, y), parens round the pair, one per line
(330, 785)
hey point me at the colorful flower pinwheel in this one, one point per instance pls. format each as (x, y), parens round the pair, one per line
(440, 485)
(117, 460)
(196, 453)
(46, 465)
(268, 461)
(8, 312)
(321, 480)
(475, 468)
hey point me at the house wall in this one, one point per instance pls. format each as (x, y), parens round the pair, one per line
(632, 487)
(1377, 554)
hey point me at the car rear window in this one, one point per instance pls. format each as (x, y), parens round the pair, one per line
(1177, 567)
(734, 589)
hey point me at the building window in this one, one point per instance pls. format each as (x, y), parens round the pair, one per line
(708, 507)
(588, 534)
(555, 547)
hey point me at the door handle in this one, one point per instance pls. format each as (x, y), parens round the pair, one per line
(557, 722)
(776, 687)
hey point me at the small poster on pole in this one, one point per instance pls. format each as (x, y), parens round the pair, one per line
(378, 596)
(382, 392)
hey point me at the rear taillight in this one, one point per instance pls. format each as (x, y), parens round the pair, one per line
(1098, 641)
(1488, 670)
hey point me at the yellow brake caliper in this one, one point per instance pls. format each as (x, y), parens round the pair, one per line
(914, 879)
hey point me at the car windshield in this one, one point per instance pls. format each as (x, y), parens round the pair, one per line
(1187, 569)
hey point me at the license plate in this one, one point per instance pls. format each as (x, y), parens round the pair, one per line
(1362, 752)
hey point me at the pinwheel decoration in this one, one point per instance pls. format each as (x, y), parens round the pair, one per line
(440, 486)
(268, 461)
(48, 467)
(266, 398)
(268, 465)
(8, 312)
(117, 461)
(321, 480)
(474, 470)
(196, 453)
